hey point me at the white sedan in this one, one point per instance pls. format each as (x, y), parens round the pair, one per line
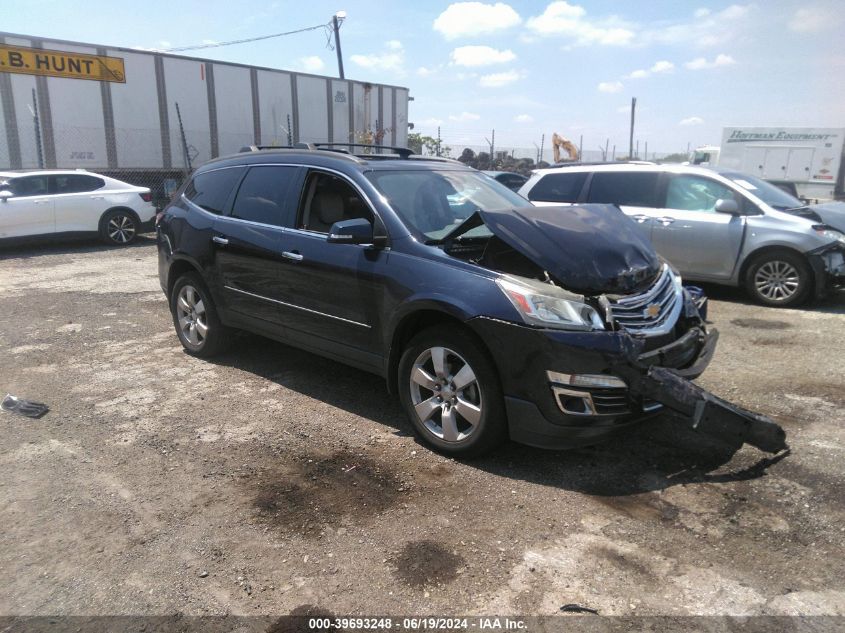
(72, 202)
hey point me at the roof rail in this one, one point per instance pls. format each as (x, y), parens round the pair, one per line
(403, 152)
(598, 162)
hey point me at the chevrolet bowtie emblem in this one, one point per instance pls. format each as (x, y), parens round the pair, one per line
(652, 311)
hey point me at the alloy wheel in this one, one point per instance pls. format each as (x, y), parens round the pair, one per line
(777, 280)
(191, 315)
(445, 394)
(121, 229)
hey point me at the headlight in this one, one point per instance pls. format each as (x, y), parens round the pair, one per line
(549, 306)
(822, 230)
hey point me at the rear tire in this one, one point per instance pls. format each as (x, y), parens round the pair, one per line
(119, 227)
(195, 318)
(450, 391)
(779, 278)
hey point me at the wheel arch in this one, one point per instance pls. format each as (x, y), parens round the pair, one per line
(178, 268)
(118, 207)
(415, 321)
(773, 248)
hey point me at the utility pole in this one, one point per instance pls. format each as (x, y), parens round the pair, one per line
(631, 138)
(581, 149)
(438, 140)
(542, 143)
(337, 19)
(646, 150)
(606, 144)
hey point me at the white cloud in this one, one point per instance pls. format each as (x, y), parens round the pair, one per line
(464, 116)
(430, 122)
(311, 64)
(704, 30)
(465, 19)
(480, 56)
(663, 67)
(422, 71)
(393, 59)
(562, 18)
(610, 86)
(701, 63)
(523, 118)
(693, 120)
(813, 19)
(657, 68)
(497, 80)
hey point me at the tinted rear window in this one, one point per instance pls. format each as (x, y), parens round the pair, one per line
(77, 183)
(558, 187)
(211, 190)
(633, 189)
(261, 197)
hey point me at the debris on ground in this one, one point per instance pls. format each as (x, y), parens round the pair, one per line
(28, 408)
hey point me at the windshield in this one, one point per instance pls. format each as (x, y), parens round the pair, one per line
(435, 202)
(773, 196)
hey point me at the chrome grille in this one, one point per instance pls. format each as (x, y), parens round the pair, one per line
(663, 299)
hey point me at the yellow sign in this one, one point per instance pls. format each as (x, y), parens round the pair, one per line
(39, 61)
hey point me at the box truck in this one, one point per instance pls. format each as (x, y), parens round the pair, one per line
(806, 161)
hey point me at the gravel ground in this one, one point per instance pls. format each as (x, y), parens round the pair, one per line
(269, 479)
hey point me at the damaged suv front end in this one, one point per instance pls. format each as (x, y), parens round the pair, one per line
(597, 332)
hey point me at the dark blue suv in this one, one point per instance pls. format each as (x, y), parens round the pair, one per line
(491, 318)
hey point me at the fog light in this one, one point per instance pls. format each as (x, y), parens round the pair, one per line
(599, 381)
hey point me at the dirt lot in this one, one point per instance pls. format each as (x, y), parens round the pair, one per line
(270, 479)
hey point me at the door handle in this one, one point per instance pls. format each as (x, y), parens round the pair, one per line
(640, 218)
(219, 240)
(292, 255)
(98, 197)
(665, 221)
(42, 202)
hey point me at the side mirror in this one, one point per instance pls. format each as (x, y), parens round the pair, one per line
(355, 231)
(5, 195)
(727, 206)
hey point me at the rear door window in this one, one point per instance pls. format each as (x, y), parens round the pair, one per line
(76, 183)
(558, 187)
(632, 189)
(263, 194)
(210, 190)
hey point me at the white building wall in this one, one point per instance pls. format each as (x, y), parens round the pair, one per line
(186, 85)
(313, 109)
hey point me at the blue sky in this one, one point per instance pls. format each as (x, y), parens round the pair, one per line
(523, 68)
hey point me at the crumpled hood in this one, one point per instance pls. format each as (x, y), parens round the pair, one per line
(590, 249)
(831, 213)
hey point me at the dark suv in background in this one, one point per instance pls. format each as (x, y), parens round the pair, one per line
(490, 318)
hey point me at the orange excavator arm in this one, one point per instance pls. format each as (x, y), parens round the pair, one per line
(558, 143)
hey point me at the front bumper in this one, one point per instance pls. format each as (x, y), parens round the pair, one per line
(828, 264)
(657, 379)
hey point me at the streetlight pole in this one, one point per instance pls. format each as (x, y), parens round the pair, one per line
(337, 18)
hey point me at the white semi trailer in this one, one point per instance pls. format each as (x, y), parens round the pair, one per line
(808, 161)
(114, 110)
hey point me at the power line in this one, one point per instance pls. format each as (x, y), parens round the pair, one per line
(244, 41)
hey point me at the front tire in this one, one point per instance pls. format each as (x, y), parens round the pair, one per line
(119, 227)
(450, 390)
(195, 318)
(779, 278)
